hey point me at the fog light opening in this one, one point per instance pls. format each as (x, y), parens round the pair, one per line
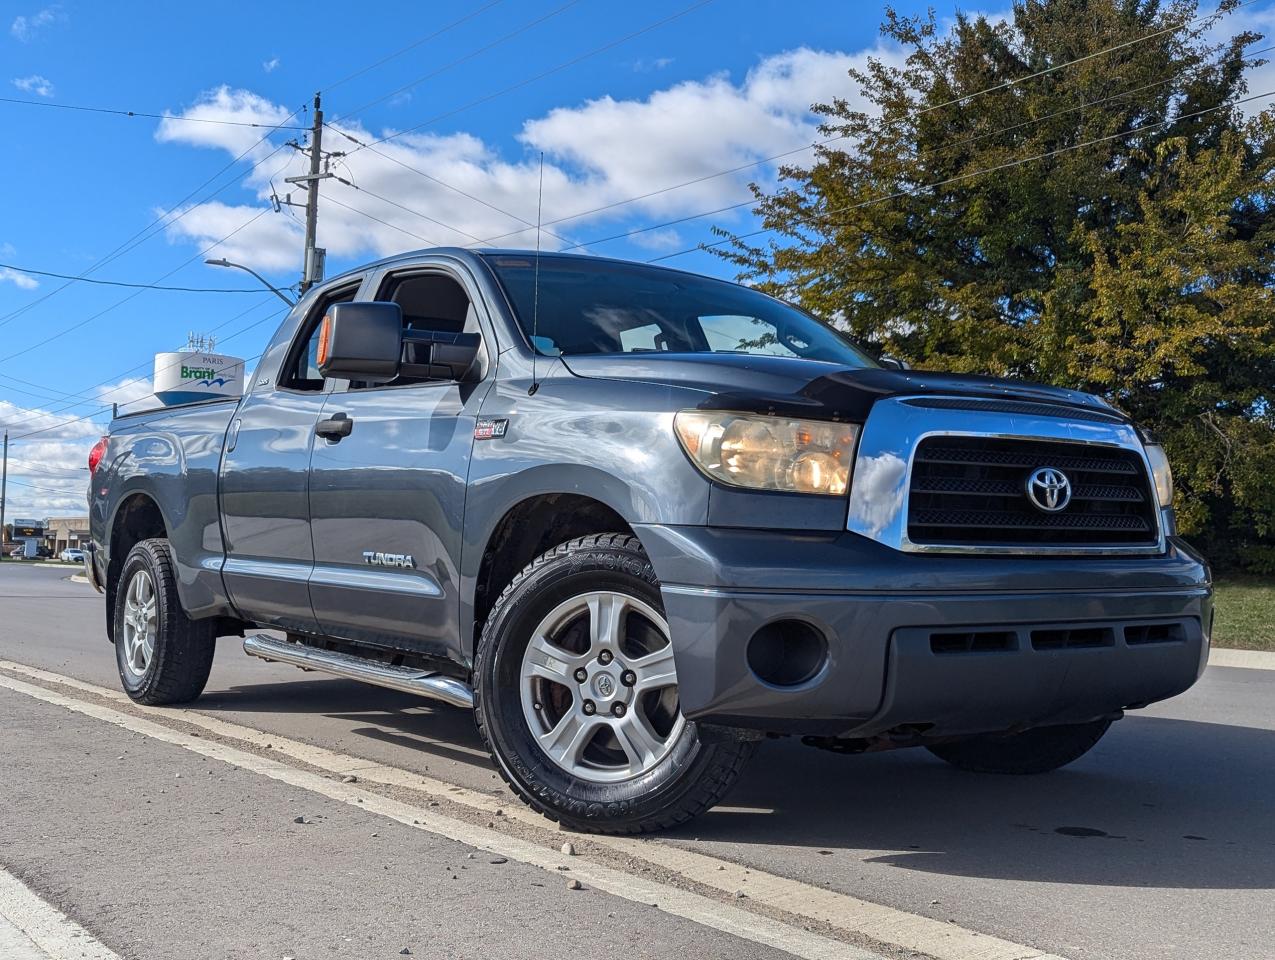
(787, 653)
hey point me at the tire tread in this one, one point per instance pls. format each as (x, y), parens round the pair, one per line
(184, 647)
(717, 779)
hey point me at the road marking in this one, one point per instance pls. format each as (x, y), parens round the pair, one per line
(30, 929)
(851, 915)
(691, 906)
(1247, 659)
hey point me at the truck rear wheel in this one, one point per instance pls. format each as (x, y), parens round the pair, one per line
(163, 656)
(1033, 751)
(575, 693)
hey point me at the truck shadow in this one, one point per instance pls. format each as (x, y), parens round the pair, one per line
(387, 716)
(1159, 803)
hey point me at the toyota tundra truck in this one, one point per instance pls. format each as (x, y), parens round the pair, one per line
(638, 520)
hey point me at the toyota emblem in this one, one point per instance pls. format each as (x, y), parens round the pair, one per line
(1049, 490)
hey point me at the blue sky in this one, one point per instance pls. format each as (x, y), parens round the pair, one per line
(726, 83)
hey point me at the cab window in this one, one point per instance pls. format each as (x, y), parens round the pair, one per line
(302, 368)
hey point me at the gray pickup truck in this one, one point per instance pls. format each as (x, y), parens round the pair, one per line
(639, 520)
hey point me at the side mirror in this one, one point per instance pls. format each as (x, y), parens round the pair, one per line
(361, 341)
(894, 363)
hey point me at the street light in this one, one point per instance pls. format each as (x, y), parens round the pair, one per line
(239, 266)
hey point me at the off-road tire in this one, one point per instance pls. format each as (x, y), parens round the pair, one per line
(183, 656)
(695, 775)
(1033, 751)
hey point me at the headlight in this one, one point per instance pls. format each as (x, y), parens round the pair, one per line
(769, 453)
(1161, 473)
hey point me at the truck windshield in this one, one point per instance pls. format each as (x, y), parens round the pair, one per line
(601, 306)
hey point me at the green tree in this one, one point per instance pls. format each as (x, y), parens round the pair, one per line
(1107, 226)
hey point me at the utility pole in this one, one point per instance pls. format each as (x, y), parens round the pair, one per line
(314, 256)
(4, 490)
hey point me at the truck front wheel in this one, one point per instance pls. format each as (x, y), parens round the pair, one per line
(576, 695)
(163, 656)
(1033, 751)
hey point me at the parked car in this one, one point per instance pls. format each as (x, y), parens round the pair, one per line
(71, 555)
(638, 520)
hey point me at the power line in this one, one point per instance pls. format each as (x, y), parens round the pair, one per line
(144, 234)
(463, 59)
(90, 416)
(121, 283)
(540, 76)
(937, 151)
(442, 183)
(141, 366)
(413, 45)
(75, 326)
(976, 173)
(1219, 11)
(415, 213)
(827, 140)
(393, 226)
(144, 115)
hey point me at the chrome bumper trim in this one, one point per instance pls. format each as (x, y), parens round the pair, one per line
(882, 476)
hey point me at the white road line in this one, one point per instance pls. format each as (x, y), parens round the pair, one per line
(30, 929)
(692, 906)
(852, 915)
(1247, 659)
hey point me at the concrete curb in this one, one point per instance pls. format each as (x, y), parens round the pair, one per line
(1245, 659)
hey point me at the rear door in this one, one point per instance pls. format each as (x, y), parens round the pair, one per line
(265, 505)
(388, 500)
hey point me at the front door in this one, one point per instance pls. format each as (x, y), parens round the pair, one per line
(265, 505)
(388, 500)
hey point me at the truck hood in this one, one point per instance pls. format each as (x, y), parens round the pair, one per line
(797, 387)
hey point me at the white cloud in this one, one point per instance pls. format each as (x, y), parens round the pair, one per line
(19, 279)
(34, 84)
(223, 103)
(269, 243)
(46, 475)
(129, 393)
(650, 66)
(271, 65)
(25, 27)
(600, 153)
(597, 153)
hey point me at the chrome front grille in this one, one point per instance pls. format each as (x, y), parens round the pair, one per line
(973, 491)
(944, 474)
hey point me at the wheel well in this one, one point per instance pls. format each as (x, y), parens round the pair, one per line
(528, 530)
(137, 519)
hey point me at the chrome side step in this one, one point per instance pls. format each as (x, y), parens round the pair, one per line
(407, 679)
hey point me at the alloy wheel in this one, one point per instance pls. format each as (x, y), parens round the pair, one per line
(599, 687)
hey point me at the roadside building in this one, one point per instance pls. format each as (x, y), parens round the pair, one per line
(62, 533)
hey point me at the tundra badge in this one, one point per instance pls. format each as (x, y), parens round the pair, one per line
(378, 559)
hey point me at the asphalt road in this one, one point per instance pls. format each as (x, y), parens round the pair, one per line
(1159, 844)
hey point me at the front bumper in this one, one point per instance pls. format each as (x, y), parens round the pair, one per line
(879, 611)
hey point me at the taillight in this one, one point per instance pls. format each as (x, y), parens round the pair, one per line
(96, 454)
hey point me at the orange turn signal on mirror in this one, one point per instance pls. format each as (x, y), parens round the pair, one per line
(325, 341)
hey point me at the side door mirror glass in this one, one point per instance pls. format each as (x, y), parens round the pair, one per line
(361, 341)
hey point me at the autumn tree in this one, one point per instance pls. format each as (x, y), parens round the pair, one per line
(1080, 194)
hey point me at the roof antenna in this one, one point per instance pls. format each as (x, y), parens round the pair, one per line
(535, 295)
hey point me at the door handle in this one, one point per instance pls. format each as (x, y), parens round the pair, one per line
(334, 427)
